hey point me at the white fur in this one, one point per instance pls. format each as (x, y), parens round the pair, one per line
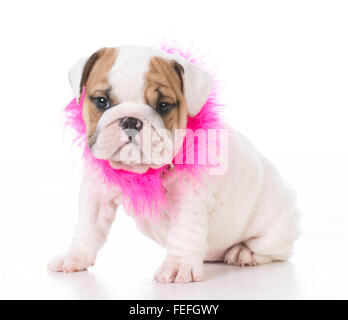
(75, 75)
(245, 217)
(127, 77)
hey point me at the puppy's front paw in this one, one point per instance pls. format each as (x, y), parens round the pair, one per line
(73, 261)
(180, 272)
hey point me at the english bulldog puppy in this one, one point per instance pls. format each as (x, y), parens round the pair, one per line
(246, 216)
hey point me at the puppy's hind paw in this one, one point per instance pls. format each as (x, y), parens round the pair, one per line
(241, 255)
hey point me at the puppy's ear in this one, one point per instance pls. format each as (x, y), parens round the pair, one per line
(197, 85)
(79, 72)
(75, 74)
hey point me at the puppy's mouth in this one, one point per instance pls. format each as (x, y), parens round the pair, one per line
(135, 148)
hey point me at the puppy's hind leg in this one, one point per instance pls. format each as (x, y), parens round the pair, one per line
(95, 219)
(274, 244)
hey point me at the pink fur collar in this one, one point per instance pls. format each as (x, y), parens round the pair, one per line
(144, 194)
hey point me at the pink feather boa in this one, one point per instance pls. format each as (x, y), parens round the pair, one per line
(144, 194)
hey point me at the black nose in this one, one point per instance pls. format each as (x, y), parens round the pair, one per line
(131, 123)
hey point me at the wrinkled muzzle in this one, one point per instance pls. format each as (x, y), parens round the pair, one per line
(132, 137)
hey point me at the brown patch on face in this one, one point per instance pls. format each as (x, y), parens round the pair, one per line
(164, 84)
(95, 80)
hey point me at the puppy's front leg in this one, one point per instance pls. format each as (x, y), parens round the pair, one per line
(96, 214)
(186, 242)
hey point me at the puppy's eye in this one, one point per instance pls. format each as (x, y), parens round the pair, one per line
(163, 107)
(102, 103)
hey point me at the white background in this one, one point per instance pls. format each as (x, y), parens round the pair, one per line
(283, 66)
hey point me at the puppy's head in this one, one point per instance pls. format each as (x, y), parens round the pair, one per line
(135, 100)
